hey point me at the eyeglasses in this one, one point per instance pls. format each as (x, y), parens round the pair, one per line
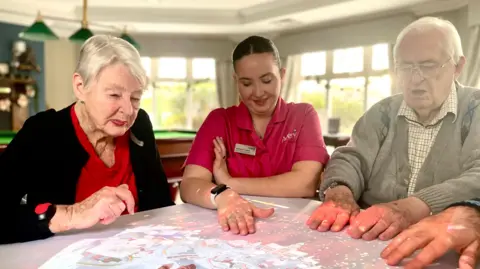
(425, 70)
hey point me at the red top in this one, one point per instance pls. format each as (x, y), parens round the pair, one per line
(293, 134)
(96, 175)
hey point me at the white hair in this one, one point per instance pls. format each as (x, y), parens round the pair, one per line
(452, 38)
(100, 51)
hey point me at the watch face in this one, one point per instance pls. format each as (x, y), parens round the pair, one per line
(42, 208)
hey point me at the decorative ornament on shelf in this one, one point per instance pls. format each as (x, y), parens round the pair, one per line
(5, 102)
(22, 100)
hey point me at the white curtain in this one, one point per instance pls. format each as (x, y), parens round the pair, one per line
(471, 74)
(226, 91)
(292, 77)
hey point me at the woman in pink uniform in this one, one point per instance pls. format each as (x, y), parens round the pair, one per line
(264, 146)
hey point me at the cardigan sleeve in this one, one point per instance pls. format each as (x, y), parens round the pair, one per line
(20, 222)
(351, 165)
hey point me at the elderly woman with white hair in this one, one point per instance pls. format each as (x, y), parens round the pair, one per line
(90, 162)
(412, 154)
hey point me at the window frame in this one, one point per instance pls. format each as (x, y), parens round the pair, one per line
(189, 80)
(367, 73)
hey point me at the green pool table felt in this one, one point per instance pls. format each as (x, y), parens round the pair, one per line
(7, 136)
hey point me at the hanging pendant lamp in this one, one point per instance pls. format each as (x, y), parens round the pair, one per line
(129, 39)
(38, 31)
(83, 33)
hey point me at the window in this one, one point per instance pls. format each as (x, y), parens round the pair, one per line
(348, 60)
(203, 68)
(380, 59)
(182, 93)
(313, 64)
(173, 68)
(147, 65)
(348, 95)
(315, 93)
(358, 78)
(379, 88)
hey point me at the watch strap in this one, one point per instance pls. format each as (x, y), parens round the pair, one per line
(335, 184)
(473, 203)
(215, 191)
(45, 213)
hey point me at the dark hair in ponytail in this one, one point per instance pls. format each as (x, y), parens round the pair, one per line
(253, 45)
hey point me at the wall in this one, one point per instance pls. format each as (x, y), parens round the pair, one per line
(9, 34)
(59, 67)
(360, 33)
(184, 46)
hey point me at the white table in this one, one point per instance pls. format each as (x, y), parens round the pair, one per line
(287, 226)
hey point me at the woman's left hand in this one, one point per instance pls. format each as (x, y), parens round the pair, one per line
(220, 170)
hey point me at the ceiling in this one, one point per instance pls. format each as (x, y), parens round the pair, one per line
(208, 17)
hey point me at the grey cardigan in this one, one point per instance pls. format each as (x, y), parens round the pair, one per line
(374, 165)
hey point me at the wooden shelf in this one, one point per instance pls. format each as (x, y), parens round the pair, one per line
(22, 81)
(24, 67)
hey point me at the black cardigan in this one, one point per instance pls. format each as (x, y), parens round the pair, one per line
(44, 161)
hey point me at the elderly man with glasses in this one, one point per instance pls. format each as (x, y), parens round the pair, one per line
(412, 154)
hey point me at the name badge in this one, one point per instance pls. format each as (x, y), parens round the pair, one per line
(244, 149)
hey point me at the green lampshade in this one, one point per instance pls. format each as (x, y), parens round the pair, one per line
(130, 40)
(81, 35)
(38, 31)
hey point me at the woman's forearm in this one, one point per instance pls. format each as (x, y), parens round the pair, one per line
(290, 184)
(196, 191)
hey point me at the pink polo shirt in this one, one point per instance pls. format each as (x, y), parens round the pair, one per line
(293, 134)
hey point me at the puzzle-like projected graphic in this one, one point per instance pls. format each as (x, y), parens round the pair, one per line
(152, 246)
(282, 241)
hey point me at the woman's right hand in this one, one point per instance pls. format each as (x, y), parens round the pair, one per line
(237, 215)
(104, 206)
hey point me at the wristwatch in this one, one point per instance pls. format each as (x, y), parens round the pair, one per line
(473, 203)
(216, 191)
(45, 213)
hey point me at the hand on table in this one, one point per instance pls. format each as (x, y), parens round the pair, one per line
(384, 221)
(220, 170)
(456, 228)
(237, 215)
(337, 210)
(104, 206)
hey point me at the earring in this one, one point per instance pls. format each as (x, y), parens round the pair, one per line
(82, 102)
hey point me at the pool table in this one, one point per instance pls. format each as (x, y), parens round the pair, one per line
(173, 146)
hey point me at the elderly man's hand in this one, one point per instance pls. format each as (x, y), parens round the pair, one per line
(337, 210)
(456, 228)
(384, 221)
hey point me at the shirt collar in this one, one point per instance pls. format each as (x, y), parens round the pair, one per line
(244, 119)
(449, 106)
